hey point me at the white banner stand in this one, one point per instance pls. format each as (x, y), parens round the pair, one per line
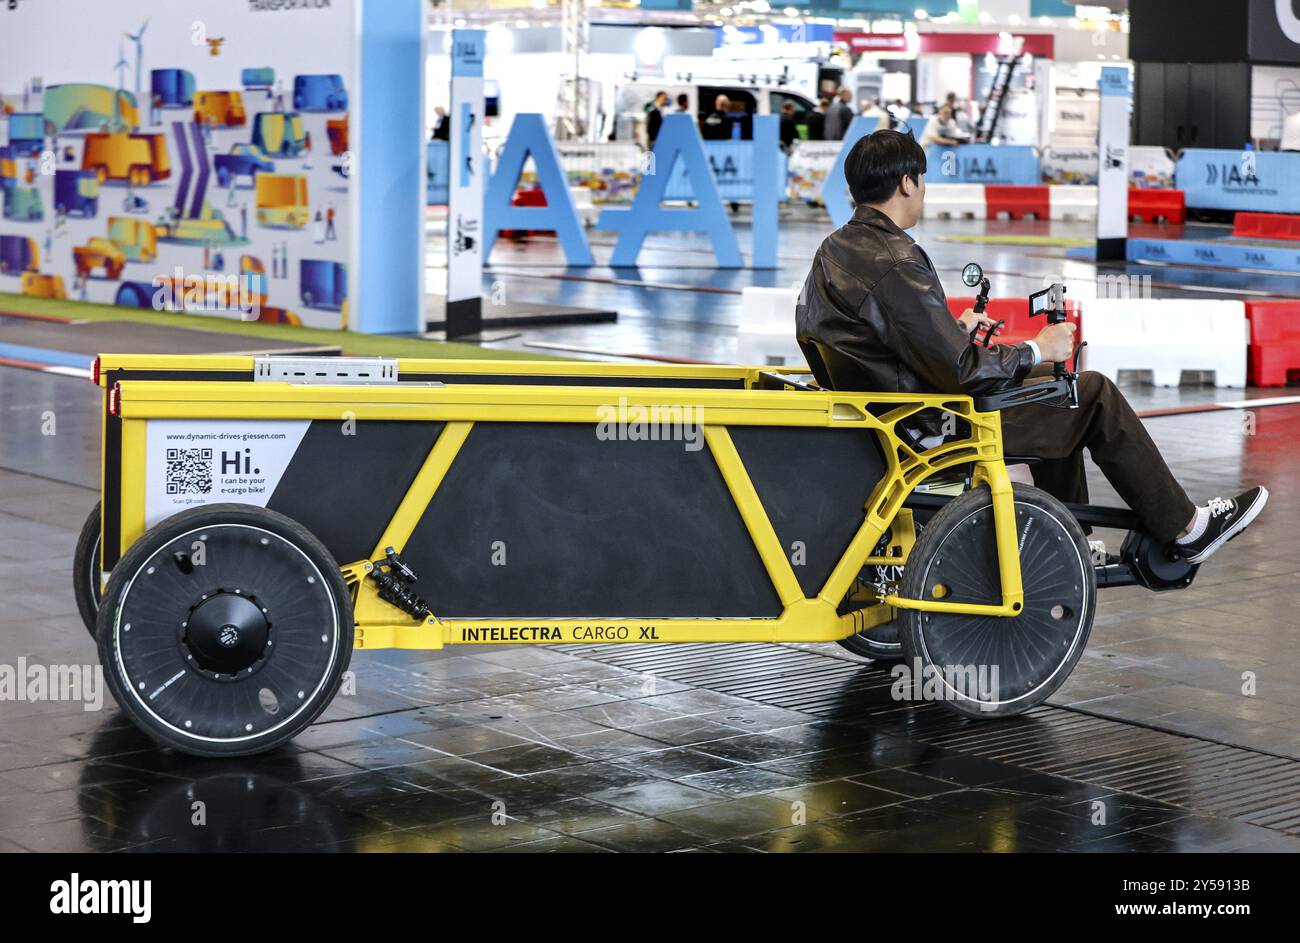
(468, 171)
(1112, 174)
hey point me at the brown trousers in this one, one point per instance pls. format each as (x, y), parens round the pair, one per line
(1107, 427)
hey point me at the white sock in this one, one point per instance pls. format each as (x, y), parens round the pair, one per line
(1198, 526)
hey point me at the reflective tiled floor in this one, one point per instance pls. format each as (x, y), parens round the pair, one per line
(1179, 730)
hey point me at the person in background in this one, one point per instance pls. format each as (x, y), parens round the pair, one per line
(789, 132)
(816, 121)
(960, 115)
(442, 126)
(717, 124)
(899, 111)
(683, 104)
(871, 109)
(840, 116)
(941, 129)
(654, 116)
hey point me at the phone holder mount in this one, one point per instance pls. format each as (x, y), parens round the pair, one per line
(1050, 302)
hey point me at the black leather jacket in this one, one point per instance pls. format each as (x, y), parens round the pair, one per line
(873, 313)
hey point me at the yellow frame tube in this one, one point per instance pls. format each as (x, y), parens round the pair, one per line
(425, 483)
(761, 532)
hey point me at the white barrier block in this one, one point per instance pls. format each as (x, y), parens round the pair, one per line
(1073, 202)
(766, 334)
(954, 200)
(767, 310)
(587, 210)
(1167, 336)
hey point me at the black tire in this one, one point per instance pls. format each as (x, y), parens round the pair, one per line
(1017, 662)
(86, 584)
(190, 650)
(881, 643)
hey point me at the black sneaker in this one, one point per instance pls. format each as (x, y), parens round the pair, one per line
(1228, 518)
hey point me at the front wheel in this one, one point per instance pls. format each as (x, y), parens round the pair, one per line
(993, 666)
(225, 630)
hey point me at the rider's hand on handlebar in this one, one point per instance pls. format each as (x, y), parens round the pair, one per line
(970, 320)
(1056, 342)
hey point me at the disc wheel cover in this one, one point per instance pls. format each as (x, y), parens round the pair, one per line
(150, 634)
(1027, 650)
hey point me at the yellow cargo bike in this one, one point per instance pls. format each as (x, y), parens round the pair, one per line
(262, 518)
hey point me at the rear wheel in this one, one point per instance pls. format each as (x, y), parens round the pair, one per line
(991, 666)
(86, 580)
(880, 642)
(225, 630)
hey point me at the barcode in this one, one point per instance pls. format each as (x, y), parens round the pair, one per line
(189, 471)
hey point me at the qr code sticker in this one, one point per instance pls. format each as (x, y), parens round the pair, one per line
(189, 471)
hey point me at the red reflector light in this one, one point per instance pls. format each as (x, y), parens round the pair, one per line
(94, 371)
(115, 400)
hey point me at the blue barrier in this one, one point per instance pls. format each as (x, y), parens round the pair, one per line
(438, 174)
(1219, 252)
(1262, 181)
(733, 169)
(1002, 164)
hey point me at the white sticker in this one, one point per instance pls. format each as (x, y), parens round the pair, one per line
(192, 462)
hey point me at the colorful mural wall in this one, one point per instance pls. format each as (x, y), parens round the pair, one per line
(188, 155)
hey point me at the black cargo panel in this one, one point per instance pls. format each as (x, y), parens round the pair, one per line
(547, 519)
(814, 484)
(345, 488)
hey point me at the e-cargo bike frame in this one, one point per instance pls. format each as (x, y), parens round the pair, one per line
(260, 518)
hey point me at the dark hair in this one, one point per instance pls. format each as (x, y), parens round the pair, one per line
(879, 161)
(683, 99)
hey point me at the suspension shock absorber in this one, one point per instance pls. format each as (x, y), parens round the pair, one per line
(393, 579)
